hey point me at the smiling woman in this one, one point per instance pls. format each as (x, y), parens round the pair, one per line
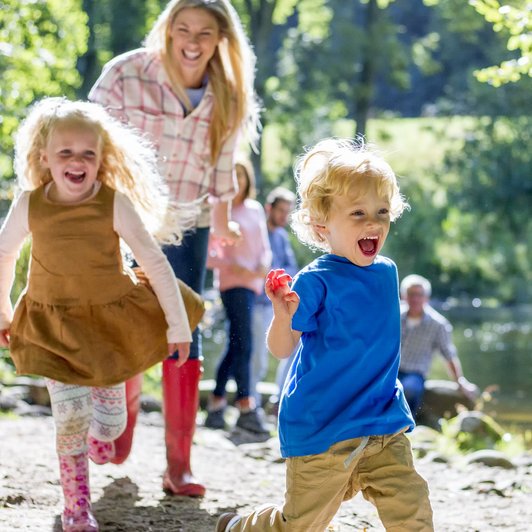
(195, 36)
(190, 90)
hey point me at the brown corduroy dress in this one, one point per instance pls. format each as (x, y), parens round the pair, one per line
(82, 319)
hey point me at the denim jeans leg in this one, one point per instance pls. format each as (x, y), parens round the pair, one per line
(414, 386)
(188, 260)
(238, 303)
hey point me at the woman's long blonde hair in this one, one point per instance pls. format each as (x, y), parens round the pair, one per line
(231, 70)
(128, 162)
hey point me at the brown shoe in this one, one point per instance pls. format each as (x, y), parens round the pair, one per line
(224, 520)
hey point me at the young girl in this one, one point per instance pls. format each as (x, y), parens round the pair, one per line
(190, 90)
(82, 322)
(239, 273)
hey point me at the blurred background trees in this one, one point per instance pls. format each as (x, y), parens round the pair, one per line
(441, 86)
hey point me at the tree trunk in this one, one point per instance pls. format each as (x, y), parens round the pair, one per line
(364, 89)
(261, 25)
(88, 62)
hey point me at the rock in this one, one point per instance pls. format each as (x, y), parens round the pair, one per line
(490, 458)
(8, 403)
(24, 409)
(475, 430)
(442, 399)
(436, 457)
(150, 404)
(38, 393)
(524, 460)
(31, 390)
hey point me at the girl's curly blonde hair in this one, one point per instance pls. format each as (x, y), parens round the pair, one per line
(128, 162)
(339, 167)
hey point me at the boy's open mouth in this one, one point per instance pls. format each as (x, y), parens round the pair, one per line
(369, 245)
(75, 177)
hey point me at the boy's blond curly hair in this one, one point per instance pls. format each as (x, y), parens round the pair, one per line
(128, 162)
(339, 167)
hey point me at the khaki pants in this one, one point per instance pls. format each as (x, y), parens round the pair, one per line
(381, 467)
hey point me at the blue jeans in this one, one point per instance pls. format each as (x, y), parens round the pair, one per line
(414, 386)
(238, 304)
(262, 317)
(188, 260)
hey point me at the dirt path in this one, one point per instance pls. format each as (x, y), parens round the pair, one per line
(129, 497)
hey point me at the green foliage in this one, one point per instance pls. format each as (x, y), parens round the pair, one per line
(467, 181)
(516, 23)
(21, 271)
(487, 232)
(151, 385)
(40, 41)
(487, 434)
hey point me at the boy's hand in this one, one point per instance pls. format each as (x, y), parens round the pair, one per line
(283, 299)
(277, 278)
(183, 350)
(4, 338)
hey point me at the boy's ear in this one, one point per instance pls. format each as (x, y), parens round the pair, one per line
(320, 228)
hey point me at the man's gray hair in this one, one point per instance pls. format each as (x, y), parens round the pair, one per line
(415, 280)
(280, 194)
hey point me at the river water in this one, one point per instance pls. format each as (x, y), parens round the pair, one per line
(495, 347)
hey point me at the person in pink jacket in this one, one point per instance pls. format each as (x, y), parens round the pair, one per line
(239, 273)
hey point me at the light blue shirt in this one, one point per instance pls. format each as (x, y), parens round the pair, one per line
(343, 382)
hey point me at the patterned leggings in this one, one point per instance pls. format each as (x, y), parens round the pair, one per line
(81, 410)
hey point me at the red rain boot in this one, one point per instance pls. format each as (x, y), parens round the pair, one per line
(124, 441)
(180, 404)
(77, 515)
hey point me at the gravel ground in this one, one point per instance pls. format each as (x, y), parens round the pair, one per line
(239, 476)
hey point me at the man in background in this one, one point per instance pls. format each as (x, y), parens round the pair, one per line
(423, 332)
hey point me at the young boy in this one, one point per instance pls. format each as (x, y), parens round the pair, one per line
(343, 414)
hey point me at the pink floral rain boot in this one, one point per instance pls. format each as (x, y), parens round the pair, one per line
(77, 515)
(100, 452)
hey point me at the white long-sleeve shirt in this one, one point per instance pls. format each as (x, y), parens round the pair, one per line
(129, 226)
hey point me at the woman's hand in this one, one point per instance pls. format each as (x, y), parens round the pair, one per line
(183, 350)
(228, 235)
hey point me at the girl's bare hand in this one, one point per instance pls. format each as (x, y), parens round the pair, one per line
(183, 351)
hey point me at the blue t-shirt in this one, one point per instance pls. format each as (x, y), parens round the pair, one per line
(343, 381)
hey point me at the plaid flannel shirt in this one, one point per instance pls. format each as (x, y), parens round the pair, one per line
(135, 88)
(421, 341)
